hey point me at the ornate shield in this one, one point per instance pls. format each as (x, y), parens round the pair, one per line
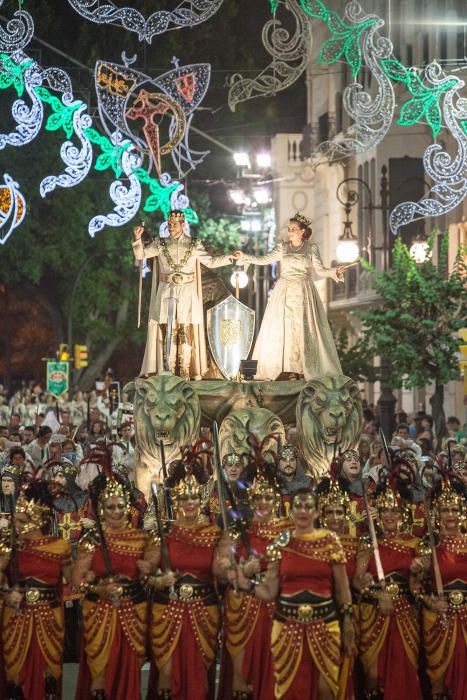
(230, 328)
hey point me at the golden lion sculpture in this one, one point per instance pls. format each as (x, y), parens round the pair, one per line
(165, 408)
(329, 413)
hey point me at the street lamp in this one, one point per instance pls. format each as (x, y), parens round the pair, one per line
(387, 400)
(237, 196)
(242, 159)
(420, 250)
(263, 160)
(261, 195)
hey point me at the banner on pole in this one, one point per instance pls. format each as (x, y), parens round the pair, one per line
(57, 378)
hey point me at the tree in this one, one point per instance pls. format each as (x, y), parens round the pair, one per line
(423, 307)
(357, 359)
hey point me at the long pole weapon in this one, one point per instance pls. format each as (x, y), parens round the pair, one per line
(140, 285)
(167, 499)
(165, 557)
(220, 490)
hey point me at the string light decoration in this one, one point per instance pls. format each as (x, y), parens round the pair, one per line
(371, 116)
(120, 87)
(12, 207)
(447, 169)
(18, 32)
(187, 13)
(126, 197)
(117, 153)
(24, 75)
(290, 56)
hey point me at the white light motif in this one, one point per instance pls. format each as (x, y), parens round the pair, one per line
(28, 118)
(127, 199)
(371, 117)
(187, 13)
(290, 56)
(242, 159)
(240, 277)
(12, 208)
(18, 32)
(447, 170)
(78, 161)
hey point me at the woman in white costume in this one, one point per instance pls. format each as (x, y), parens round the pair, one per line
(295, 336)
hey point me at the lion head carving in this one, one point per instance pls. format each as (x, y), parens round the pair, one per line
(239, 423)
(329, 412)
(165, 408)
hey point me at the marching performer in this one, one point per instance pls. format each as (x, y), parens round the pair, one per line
(335, 515)
(389, 628)
(313, 616)
(112, 559)
(445, 615)
(248, 619)
(185, 611)
(32, 566)
(176, 299)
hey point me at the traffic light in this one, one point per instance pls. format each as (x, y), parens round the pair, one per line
(81, 356)
(63, 352)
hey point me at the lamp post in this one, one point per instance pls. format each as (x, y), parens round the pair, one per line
(387, 400)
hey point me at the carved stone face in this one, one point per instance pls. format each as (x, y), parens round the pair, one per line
(233, 435)
(329, 412)
(166, 404)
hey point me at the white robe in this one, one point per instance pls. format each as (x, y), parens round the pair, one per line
(188, 306)
(295, 334)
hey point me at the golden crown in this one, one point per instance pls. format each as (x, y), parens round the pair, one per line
(112, 489)
(334, 497)
(260, 487)
(13, 470)
(301, 219)
(449, 496)
(176, 215)
(35, 510)
(67, 468)
(187, 487)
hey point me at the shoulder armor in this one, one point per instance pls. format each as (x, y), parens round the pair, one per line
(273, 552)
(88, 540)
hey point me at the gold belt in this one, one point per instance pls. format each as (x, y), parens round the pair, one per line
(456, 598)
(177, 278)
(36, 596)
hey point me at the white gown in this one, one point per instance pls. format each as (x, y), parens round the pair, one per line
(295, 334)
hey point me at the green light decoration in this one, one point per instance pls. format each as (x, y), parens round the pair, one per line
(12, 74)
(162, 195)
(425, 101)
(346, 38)
(62, 115)
(273, 4)
(111, 156)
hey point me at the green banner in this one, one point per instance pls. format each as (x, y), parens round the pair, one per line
(57, 377)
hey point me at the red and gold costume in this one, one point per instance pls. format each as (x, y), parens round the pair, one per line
(445, 635)
(114, 636)
(393, 640)
(306, 633)
(33, 640)
(185, 629)
(249, 620)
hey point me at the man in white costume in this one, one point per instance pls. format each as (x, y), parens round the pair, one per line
(176, 299)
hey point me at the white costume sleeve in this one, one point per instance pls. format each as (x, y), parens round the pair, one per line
(141, 251)
(273, 256)
(210, 260)
(319, 267)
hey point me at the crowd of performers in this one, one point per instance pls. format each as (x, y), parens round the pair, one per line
(257, 584)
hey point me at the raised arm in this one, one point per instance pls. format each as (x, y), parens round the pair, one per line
(273, 256)
(141, 251)
(321, 270)
(209, 260)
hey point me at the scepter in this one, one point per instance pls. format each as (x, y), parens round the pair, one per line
(140, 284)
